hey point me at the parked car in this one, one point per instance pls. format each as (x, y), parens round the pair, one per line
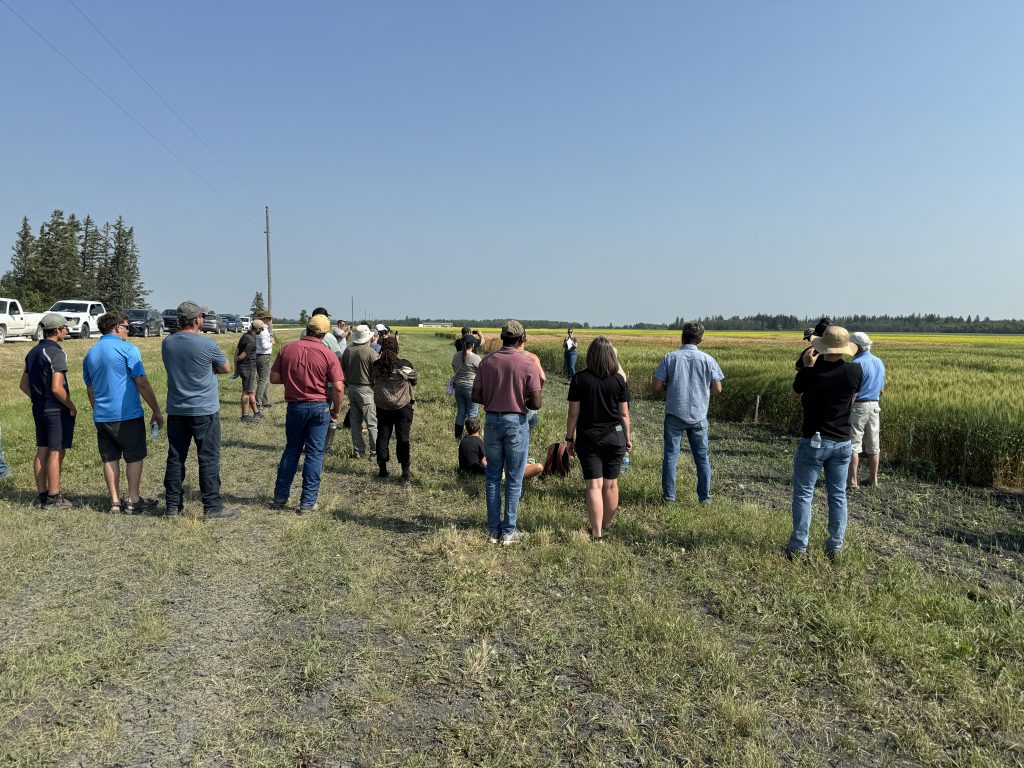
(15, 322)
(144, 322)
(170, 318)
(234, 323)
(81, 315)
(213, 323)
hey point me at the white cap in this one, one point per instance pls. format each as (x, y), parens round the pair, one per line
(861, 339)
(380, 327)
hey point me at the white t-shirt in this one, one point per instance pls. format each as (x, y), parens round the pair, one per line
(264, 343)
(570, 343)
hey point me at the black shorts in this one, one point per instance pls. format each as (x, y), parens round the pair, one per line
(603, 460)
(54, 429)
(122, 438)
(249, 378)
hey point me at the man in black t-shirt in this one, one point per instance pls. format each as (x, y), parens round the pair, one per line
(245, 369)
(826, 386)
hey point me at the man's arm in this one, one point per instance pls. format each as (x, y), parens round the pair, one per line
(716, 387)
(478, 391)
(92, 397)
(534, 400)
(57, 388)
(146, 390)
(657, 386)
(337, 397)
(25, 386)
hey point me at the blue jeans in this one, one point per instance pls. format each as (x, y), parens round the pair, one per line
(834, 458)
(305, 429)
(464, 405)
(569, 356)
(181, 432)
(697, 435)
(506, 444)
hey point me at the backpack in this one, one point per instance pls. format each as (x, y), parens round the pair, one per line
(558, 460)
(392, 394)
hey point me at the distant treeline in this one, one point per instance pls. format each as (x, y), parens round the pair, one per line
(763, 322)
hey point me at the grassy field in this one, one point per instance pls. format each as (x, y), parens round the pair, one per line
(384, 631)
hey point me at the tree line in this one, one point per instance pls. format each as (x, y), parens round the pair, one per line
(913, 323)
(71, 258)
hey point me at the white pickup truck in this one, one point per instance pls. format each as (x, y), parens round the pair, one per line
(80, 314)
(15, 322)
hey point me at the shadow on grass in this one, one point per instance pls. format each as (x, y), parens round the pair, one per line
(990, 542)
(414, 523)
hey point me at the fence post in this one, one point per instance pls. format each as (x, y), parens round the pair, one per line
(757, 409)
(910, 442)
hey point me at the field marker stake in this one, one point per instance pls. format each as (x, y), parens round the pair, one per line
(757, 409)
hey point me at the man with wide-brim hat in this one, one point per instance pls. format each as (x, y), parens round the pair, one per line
(357, 365)
(826, 386)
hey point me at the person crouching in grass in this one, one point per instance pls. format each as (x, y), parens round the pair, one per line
(472, 460)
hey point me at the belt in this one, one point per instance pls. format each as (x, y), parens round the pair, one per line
(865, 401)
(263, 354)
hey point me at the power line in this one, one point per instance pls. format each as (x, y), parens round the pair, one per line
(167, 104)
(259, 198)
(128, 114)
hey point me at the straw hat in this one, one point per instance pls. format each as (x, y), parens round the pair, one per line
(361, 334)
(835, 341)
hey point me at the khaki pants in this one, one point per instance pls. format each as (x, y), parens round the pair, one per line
(360, 401)
(263, 376)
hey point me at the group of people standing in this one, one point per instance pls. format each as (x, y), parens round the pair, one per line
(839, 400)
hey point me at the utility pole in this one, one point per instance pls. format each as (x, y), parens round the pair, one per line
(352, 309)
(270, 301)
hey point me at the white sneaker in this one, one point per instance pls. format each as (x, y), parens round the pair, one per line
(492, 539)
(513, 538)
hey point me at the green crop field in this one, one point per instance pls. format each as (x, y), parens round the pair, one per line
(385, 631)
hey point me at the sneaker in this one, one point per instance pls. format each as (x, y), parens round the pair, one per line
(406, 477)
(796, 555)
(514, 538)
(372, 455)
(247, 419)
(221, 514)
(493, 538)
(258, 415)
(39, 500)
(60, 501)
(302, 511)
(279, 503)
(706, 502)
(833, 554)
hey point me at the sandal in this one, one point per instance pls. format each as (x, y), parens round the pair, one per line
(136, 507)
(116, 507)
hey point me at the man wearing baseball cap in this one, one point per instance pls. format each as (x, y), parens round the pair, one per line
(312, 376)
(193, 362)
(45, 381)
(865, 418)
(825, 386)
(507, 384)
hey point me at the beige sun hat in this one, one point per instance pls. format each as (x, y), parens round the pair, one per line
(361, 334)
(835, 341)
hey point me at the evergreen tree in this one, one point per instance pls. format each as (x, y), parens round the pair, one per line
(21, 280)
(92, 255)
(59, 273)
(257, 304)
(121, 285)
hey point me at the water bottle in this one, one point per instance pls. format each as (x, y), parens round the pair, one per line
(625, 464)
(154, 431)
(816, 440)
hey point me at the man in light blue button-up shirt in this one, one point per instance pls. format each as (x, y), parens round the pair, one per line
(688, 378)
(865, 416)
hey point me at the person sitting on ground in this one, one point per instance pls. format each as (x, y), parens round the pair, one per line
(472, 460)
(599, 407)
(114, 379)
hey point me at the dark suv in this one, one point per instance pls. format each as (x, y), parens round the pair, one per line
(170, 318)
(144, 322)
(214, 324)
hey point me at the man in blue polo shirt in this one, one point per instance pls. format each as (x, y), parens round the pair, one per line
(688, 378)
(114, 378)
(865, 417)
(45, 381)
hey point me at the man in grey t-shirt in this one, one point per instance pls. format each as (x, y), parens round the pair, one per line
(193, 411)
(687, 378)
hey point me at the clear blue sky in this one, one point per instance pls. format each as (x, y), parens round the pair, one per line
(608, 162)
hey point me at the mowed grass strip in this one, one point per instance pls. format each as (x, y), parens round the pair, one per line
(385, 631)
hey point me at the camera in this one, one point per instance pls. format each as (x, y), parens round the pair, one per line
(822, 326)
